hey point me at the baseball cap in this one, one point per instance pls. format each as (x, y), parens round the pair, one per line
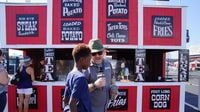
(27, 60)
(95, 45)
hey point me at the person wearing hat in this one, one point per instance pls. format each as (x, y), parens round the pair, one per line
(4, 80)
(24, 87)
(76, 94)
(100, 77)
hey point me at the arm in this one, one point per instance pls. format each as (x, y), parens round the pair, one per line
(99, 83)
(73, 104)
(30, 71)
(91, 87)
(4, 79)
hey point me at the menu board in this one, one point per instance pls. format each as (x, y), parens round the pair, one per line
(117, 8)
(162, 26)
(160, 98)
(72, 31)
(118, 22)
(117, 32)
(72, 21)
(121, 102)
(72, 8)
(27, 25)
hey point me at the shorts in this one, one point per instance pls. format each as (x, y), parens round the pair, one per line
(26, 91)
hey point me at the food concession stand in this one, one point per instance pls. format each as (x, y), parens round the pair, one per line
(133, 32)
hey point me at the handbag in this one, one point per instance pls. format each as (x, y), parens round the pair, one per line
(16, 78)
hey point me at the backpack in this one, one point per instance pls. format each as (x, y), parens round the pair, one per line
(16, 78)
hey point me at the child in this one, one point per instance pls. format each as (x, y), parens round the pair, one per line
(76, 91)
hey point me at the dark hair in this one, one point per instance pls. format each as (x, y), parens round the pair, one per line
(1, 53)
(81, 50)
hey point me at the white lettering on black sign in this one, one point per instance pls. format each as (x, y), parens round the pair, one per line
(27, 25)
(117, 8)
(72, 8)
(117, 32)
(49, 65)
(183, 65)
(121, 102)
(162, 26)
(160, 98)
(71, 31)
(140, 55)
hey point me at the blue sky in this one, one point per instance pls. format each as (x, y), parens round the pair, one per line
(193, 20)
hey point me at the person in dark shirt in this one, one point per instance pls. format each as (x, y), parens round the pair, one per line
(24, 87)
(76, 94)
(100, 77)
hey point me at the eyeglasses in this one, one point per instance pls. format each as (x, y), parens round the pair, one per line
(99, 53)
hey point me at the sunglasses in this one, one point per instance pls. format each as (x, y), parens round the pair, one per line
(99, 53)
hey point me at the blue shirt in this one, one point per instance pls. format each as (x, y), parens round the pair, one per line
(100, 96)
(77, 87)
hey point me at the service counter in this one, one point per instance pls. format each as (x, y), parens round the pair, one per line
(133, 97)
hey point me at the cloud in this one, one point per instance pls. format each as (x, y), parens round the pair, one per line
(194, 49)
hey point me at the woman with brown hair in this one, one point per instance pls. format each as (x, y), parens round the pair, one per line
(24, 87)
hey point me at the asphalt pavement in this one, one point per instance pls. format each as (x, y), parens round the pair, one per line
(192, 92)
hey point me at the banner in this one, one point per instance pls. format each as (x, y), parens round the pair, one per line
(183, 69)
(117, 32)
(117, 8)
(72, 8)
(160, 98)
(140, 60)
(49, 65)
(162, 26)
(72, 31)
(27, 25)
(121, 102)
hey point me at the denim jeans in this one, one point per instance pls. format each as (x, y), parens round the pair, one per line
(3, 101)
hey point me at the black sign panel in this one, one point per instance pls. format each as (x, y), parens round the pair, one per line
(160, 98)
(140, 55)
(117, 8)
(121, 102)
(117, 32)
(72, 31)
(72, 8)
(183, 69)
(162, 26)
(33, 103)
(49, 65)
(27, 25)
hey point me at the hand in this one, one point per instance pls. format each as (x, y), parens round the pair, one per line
(113, 92)
(100, 82)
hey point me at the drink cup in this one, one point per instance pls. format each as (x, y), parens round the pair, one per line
(113, 92)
